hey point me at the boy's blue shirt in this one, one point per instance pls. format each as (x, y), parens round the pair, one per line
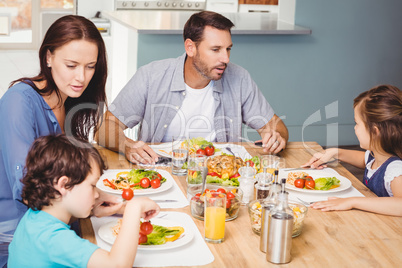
(42, 240)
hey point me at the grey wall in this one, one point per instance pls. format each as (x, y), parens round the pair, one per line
(312, 80)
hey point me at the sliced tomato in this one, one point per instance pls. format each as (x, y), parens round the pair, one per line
(235, 175)
(251, 163)
(109, 183)
(214, 174)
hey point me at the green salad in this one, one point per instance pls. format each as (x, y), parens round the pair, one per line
(324, 184)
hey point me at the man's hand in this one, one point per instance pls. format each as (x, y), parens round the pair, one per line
(274, 135)
(273, 142)
(140, 152)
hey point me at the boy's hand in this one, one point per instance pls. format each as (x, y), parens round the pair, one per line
(107, 205)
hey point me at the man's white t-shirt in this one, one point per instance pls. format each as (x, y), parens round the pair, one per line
(195, 118)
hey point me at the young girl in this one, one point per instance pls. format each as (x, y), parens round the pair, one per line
(60, 183)
(378, 117)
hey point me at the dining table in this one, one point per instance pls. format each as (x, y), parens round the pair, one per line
(351, 238)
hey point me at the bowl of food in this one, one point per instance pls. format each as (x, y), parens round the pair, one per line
(233, 200)
(299, 214)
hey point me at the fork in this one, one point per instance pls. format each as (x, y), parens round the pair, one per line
(229, 150)
(306, 203)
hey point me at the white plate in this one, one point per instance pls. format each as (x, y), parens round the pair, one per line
(165, 149)
(105, 232)
(344, 182)
(111, 174)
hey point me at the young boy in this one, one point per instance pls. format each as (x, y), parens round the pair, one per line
(59, 184)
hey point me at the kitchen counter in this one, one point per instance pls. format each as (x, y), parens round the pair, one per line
(172, 22)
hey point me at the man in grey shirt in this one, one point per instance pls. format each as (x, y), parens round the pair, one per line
(197, 94)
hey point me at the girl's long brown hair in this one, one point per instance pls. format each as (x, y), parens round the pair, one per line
(93, 99)
(381, 108)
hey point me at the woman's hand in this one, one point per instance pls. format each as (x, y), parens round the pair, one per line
(106, 205)
(318, 159)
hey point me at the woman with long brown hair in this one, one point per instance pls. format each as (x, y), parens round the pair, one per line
(67, 96)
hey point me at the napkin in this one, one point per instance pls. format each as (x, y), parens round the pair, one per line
(313, 197)
(196, 252)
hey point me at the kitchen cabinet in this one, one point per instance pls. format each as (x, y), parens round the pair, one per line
(258, 2)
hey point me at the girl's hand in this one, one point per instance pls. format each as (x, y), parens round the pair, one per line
(322, 157)
(333, 203)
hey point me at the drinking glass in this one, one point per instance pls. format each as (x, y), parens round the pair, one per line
(179, 156)
(272, 162)
(214, 218)
(196, 162)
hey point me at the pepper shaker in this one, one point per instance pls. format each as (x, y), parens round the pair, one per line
(280, 227)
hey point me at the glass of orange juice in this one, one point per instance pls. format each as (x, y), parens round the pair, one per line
(214, 217)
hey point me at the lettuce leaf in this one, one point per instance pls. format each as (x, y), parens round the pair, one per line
(224, 182)
(135, 175)
(158, 235)
(325, 184)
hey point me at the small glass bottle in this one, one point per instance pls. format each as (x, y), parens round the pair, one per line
(280, 228)
(247, 181)
(264, 181)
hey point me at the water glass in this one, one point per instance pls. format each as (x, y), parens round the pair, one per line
(214, 218)
(272, 162)
(196, 162)
(179, 156)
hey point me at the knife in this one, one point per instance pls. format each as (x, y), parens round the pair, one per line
(305, 168)
(165, 201)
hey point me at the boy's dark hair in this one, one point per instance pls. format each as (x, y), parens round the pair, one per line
(50, 158)
(194, 27)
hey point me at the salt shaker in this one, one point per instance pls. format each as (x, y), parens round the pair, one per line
(246, 181)
(263, 184)
(280, 227)
(266, 206)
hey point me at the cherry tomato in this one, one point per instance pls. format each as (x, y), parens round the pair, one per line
(127, 194)
(201, 151)
(230, 195)
(221, 190)
(251, 163)
(145, 182)
(308, 177)
(214, 174)
(198, 195)
(142, 239)
(160, 176)
(299, 183)
(310, 184)
(146, 228)
(209, 150)
(228, 203)
(206, 191)
(156, 183)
